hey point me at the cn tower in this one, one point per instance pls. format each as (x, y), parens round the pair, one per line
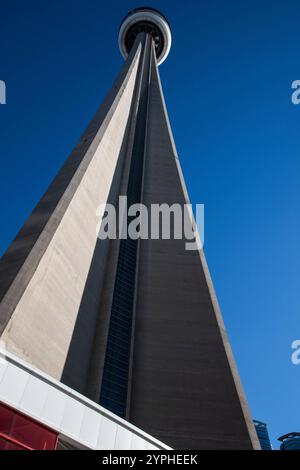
(132, 324)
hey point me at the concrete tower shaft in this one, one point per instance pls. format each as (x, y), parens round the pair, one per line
(132, 324)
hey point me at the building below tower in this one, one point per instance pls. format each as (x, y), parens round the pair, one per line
(263, 435)
(40, 413)
(290, 441)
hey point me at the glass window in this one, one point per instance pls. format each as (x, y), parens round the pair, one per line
(18, 430)
(7, 445)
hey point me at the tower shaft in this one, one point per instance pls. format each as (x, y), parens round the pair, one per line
(132, 324)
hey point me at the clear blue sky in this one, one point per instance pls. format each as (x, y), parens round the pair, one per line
(227, 86)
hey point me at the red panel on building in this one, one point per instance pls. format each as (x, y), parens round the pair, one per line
(18, 432)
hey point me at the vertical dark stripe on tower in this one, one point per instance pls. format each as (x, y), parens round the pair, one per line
(115, 373)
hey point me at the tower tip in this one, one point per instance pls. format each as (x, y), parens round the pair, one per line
(148, 20)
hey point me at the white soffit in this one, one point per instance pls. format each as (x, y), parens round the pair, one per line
(72, 415)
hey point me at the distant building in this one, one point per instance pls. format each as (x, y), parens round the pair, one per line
(290, 441)
(263, 435)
